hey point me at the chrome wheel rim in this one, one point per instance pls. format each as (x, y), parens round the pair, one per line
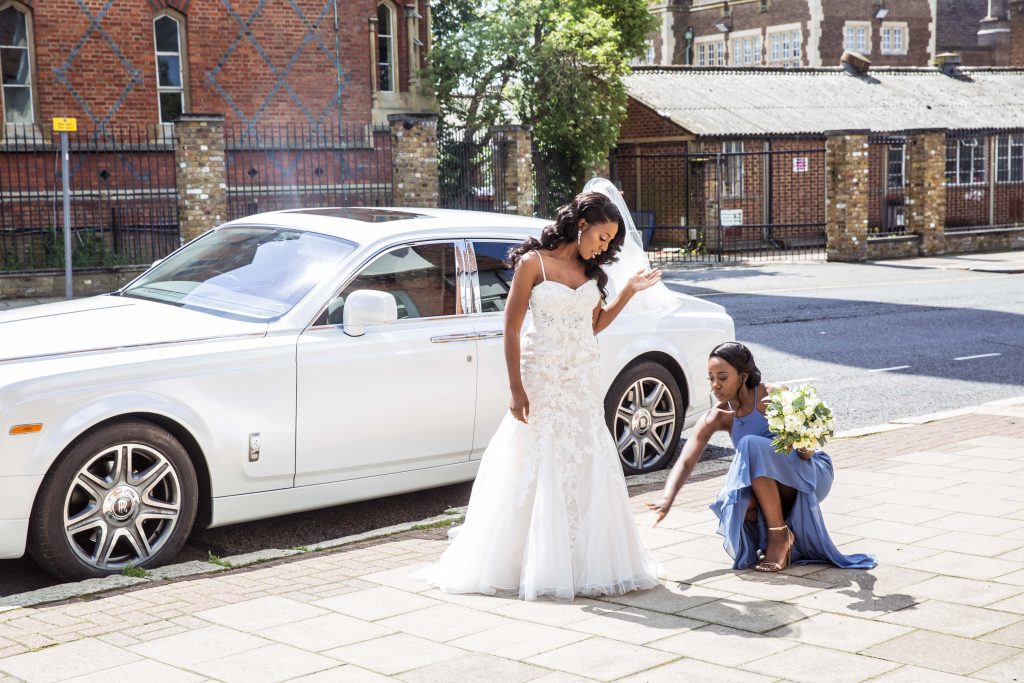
(122, 506)
(645, 421)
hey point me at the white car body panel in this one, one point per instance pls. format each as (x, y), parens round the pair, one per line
(340, 418)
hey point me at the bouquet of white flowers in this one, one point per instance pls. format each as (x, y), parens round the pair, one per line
(798, 419)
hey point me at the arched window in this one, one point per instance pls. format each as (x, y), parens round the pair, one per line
(386, 48)
(171, 65)
(16, 61)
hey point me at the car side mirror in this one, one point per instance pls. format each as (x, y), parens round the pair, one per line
(368, 307)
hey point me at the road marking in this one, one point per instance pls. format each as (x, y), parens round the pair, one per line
(795, 381)
(843, 286)
(895, 367)
(980, 355)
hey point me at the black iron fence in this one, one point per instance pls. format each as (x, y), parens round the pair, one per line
(726, 202)
(472, 169)
(292, 166)
(887, 181)
(984, 180)
(123, 197)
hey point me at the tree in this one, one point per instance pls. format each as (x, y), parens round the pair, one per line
(554, 64)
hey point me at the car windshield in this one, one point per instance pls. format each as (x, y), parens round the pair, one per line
(247, 272)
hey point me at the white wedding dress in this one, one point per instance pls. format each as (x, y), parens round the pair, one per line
(549, 513)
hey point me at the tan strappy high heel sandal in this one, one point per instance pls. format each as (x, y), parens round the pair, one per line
(774, 567)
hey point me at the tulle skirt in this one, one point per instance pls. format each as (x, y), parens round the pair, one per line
(549, 515)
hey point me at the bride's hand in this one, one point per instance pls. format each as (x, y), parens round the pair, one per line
(644, 279)
(520, 405)
(660, 509)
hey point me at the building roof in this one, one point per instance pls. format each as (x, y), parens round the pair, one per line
(710, 101)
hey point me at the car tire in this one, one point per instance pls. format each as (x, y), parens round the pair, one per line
(123, 496)
(645, 410)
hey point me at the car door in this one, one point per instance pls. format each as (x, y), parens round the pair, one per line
(402, 395)
(493, 280)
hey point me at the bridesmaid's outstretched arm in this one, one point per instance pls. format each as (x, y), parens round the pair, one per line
(714, 420)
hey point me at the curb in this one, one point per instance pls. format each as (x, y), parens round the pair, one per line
(707, 467)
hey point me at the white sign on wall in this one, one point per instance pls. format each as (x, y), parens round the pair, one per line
(732, 217)
(800, 164)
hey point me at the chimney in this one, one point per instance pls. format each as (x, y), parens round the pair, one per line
(854, 63)
(949, 62)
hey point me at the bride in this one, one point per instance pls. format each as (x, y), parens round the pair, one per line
(549, 513)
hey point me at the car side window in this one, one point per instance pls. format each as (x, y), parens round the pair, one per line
(422, 279)
(495, 276)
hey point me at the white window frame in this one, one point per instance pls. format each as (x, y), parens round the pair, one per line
(391, 36)
(1010, 166)
(31, 85)
(182, 55)
(710, 50)
(732, 171)
(900, 149)
(976, 160)
(746, 48)
(861, 37)
(889, 31)
(785, 43)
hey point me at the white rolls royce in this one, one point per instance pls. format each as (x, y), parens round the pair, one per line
(289, 361)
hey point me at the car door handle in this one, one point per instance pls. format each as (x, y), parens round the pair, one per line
(460, 337)
(467, 336)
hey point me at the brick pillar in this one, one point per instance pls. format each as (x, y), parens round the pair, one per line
(926, 188)
(1016, 25)
(200, 173)
(846, 195)
(516, 166)
(414, 177)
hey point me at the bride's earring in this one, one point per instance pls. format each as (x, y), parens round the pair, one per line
(579, 236)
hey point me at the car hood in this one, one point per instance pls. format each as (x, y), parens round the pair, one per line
(107, 322)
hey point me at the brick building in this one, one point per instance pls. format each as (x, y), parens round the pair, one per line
(789, 33)
(738, 156)
(144, 61)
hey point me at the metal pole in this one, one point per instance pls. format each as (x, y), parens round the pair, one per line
(67, 214)
(337, 61)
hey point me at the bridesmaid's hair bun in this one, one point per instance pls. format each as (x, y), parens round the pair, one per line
(739, 356)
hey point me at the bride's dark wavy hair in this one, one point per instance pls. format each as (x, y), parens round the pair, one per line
(595, 208)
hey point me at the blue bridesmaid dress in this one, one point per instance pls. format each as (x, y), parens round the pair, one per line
(812, 479)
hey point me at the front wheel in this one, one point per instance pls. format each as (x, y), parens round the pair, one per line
(645, 411)
(125, 495)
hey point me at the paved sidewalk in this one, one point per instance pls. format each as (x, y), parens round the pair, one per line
(940, 503)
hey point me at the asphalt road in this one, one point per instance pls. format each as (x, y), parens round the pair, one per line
(878, 341)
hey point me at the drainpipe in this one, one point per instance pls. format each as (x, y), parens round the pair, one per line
(337, 59)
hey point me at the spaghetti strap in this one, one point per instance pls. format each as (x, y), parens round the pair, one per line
(542, 273)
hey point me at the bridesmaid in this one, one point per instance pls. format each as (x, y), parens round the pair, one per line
(768, 511)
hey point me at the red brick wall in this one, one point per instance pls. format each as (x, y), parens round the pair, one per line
(744, 16)
(100, 87)
(643, 122)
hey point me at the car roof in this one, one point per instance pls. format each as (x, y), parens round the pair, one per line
(370, 224)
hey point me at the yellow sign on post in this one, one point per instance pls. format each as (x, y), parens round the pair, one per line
(65, 124)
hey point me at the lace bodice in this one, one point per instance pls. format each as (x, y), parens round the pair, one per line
(561, 332)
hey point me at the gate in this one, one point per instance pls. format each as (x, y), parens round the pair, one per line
(887, 182)
(471, 169)
(729, 202)
(292, 166)
(124, 207)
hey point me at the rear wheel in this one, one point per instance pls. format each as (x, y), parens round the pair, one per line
(645, 410)
(125, 495)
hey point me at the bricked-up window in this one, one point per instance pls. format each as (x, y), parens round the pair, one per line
(16, 61)
(1010, 158)
(732, 169)
(857, 37)
(965, 161)
(894, 38)
(170, 71)
(386, 48)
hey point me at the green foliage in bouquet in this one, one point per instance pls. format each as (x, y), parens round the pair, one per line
(798, 419)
